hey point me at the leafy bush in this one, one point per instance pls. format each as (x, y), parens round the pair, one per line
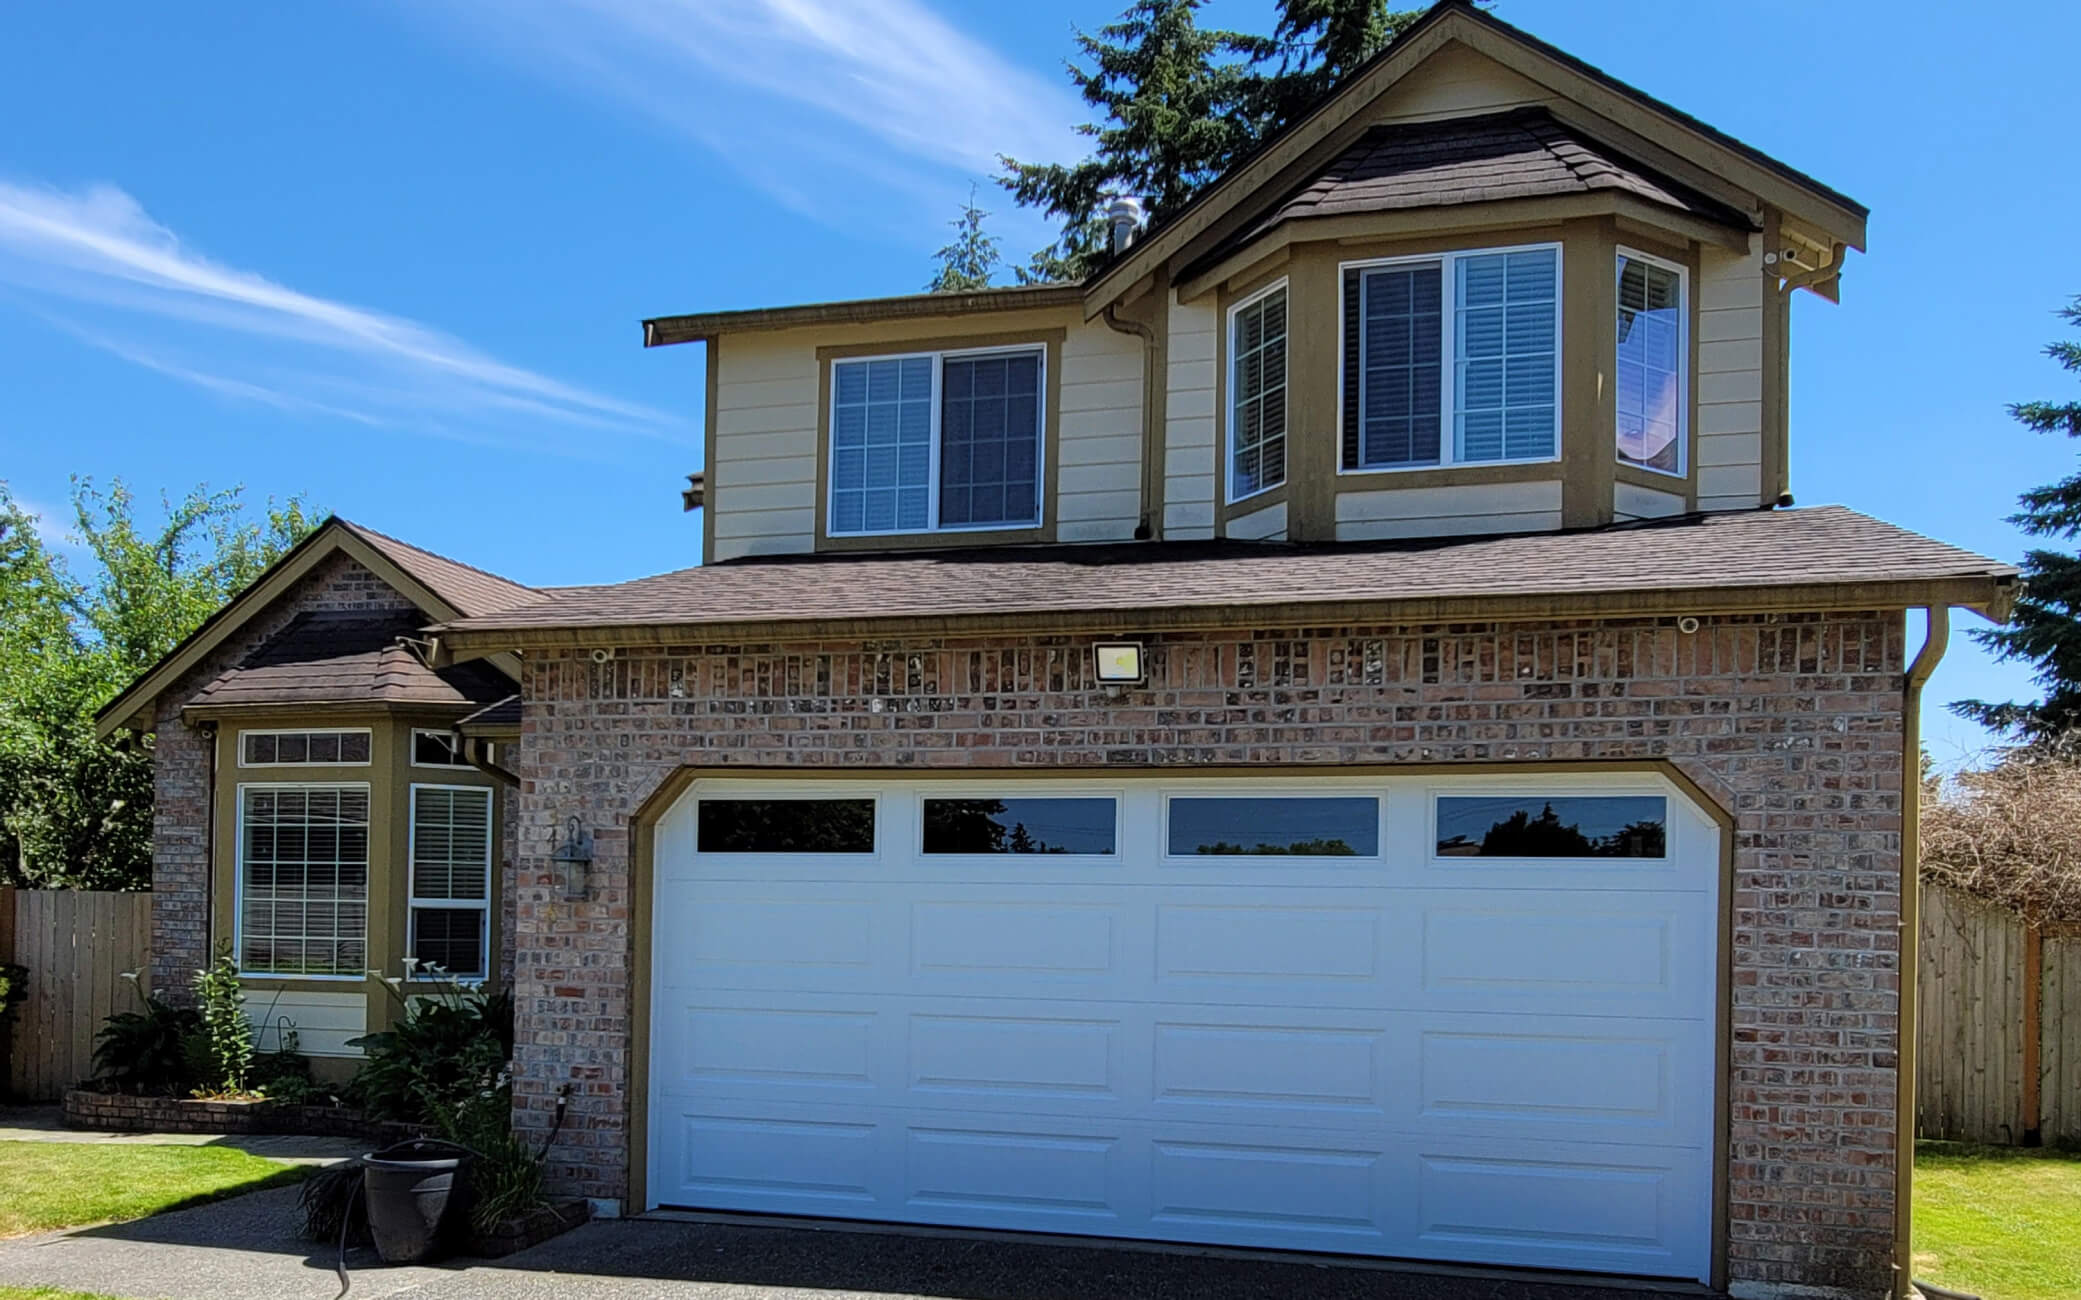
(505, 1178)
(450, 1043)
(14, 990)
(148, 1051)
(226, 1052)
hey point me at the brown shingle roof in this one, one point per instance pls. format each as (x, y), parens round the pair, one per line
(1523, 153)
(349, 657)
(469, 589)
(1825, 547)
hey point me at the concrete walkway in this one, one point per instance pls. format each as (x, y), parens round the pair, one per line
(43, 1124)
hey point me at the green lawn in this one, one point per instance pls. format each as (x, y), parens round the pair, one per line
(46, 1293)
(48, 1185)
(2000, 1222)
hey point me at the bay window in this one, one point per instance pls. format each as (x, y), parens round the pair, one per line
(1452, 359)
(303, 878)
(1653, 351)
(451, 877)
(936, 441)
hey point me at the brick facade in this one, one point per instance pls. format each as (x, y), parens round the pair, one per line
(1793, 723)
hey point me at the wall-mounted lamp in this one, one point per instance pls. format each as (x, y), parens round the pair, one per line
(573, 858)
(1119, 665)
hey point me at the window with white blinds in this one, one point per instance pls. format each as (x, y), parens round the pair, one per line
(303, 880)
(1653, 348)
(1452, 359)
(452, 837)
(1257, 394)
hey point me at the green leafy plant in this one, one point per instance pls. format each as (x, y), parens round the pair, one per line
(284, 1075)
(449, 1042)
(148, 1051)
(14, 990)
(226, 1057)
(505, 1177)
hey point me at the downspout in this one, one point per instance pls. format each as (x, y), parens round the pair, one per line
(467, 747)
(1933, 645)
(1150, 526)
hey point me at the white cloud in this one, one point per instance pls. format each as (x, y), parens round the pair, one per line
(818, 102)
(248, 338)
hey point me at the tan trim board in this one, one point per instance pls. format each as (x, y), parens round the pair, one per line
(712, 383)
(661, 331)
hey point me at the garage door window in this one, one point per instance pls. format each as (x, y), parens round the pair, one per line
(1052, 825)
(1568, 826)
(786, 826)
(1274, 827)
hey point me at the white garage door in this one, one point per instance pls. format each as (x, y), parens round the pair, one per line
(1465, 1019)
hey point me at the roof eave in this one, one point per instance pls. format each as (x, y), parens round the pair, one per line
(663, 331)
(1990, 594)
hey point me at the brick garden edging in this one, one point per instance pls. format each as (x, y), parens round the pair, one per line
(124, 1113)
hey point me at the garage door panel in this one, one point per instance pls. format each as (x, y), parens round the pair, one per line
(1578, 1080)
(1606, 954)
(1015, 942)
(761, 1047)
(799, 1163)
(1061, 1176)
(1265, 1188)
(997, 1058)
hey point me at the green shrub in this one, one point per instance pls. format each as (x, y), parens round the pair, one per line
(149, 1051)
(449, 1043)
(14, 990)
(505, 1178)
(226, 1055)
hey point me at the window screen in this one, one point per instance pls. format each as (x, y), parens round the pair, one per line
(303, 880)
(1650, 365)
(1257, 417)
(451, 876)
(989, 456)
(881, 445)
(1396, 352)
(1504, 399)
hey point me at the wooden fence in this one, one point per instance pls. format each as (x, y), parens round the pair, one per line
(1998, 1043)
(76, 945)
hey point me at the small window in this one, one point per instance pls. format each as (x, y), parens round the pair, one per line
(1562, 826)
(1050, 825)
(785, 826)
(451, 877)
(344, 748)
(303, 873)
(936, 441)
(439, 749)
(1652, 360)
(1257, 394)
(1274, 826)
(1452, 360)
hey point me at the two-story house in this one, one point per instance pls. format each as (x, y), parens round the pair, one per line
(1323, 735)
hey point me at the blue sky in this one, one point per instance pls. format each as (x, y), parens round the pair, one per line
(394, 255)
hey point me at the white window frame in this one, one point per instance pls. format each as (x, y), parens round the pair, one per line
(1038, 350)
(240, 751)
(1448, 323)
(413, 902)
(1683, 360)
(238, 874)
(460, 764)
(1228, 406)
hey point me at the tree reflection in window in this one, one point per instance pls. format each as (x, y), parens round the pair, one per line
(1041, 825)
(1590, 826)
(786, 826)
(1274, 826)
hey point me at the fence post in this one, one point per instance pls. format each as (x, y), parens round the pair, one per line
(2033, 1031)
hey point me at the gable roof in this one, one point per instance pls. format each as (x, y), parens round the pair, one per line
(441, 588)
(348, 657)
(1822, 558)
(1569, 77)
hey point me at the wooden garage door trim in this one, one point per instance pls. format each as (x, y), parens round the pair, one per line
(643, 827)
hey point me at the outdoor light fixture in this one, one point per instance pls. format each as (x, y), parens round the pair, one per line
(1119, 665)
(573, 859)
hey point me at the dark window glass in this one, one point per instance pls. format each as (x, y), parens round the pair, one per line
(1303, 826)
(1019, 825)
(260, 749)
(1569, 826)
(1400, 346)
(786, 826)
(354, 747)
(449, 937)
(433, 749)
(989, 454)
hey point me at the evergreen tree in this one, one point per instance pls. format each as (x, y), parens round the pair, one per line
(2046, 627)
(1179, 105)
(971, 259)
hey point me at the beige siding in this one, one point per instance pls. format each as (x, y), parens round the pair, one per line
(1191, 439)
(1099, 484)
(1730, 380)
(323, 1021)
(1449, 511)
(1631, 501)
(1458, 81)
(763, 483)
(1265, 525)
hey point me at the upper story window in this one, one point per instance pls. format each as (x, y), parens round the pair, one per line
(1257, 393)
(936, 440)
(341, 748)
(1452, 359)
(432, 748)
(1654, 346)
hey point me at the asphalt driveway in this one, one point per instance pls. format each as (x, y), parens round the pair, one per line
(247, 1249)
